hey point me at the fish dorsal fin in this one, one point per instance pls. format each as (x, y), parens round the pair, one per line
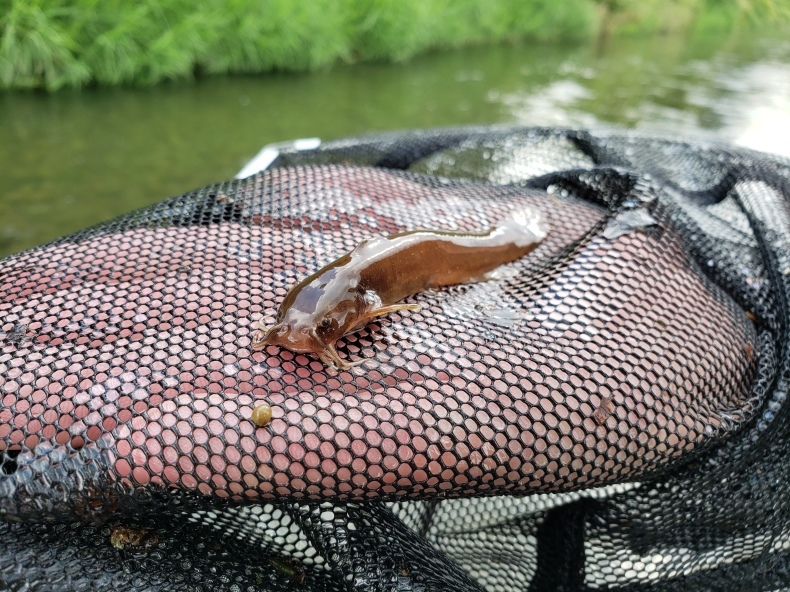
(369, 244)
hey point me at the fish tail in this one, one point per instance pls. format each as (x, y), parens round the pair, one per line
(525, 226)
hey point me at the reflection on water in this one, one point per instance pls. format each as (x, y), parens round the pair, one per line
(731, 95)
(74, 159)
(762, 121)
(554, 104)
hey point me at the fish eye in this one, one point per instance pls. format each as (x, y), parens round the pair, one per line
(325, 323)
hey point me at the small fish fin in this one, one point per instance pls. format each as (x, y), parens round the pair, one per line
(331, 358)
(368, 243)
(494, 274)
(384, 310)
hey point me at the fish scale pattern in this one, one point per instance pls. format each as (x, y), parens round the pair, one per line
(606, 412)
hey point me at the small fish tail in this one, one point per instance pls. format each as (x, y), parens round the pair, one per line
(525, 226)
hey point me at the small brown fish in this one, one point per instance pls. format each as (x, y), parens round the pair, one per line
(369, 281)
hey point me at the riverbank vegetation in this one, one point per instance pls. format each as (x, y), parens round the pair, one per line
(71, 43)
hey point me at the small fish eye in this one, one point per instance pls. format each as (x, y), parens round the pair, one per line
(325, 323)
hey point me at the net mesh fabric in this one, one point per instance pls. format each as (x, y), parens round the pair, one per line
(607, 412)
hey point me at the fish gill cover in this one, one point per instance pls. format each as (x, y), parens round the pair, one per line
(608, 412)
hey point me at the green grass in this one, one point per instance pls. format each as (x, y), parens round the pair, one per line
(71, 43)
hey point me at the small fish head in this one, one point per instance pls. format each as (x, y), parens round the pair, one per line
(296, 337)
(309, 332)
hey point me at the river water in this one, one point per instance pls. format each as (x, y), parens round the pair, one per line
(73, 159)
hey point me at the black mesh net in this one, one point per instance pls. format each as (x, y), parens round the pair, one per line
(608, 412)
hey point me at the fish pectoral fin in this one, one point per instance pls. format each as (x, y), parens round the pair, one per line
(330, 357)
(385, 310)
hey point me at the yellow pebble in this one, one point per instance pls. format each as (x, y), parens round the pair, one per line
(261, 415)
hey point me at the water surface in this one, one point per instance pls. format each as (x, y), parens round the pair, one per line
(74, 159)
